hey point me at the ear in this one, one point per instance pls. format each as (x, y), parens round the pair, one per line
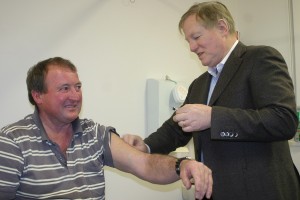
(222, 26)
(37, 96)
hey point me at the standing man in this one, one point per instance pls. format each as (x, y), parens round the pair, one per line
(241, 112)
(53, 154)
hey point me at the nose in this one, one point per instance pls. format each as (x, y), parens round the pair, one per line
(75, 93)
(193, 46)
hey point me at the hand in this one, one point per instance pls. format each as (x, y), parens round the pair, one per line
(193, 172)
(193, 117)
(136, 142)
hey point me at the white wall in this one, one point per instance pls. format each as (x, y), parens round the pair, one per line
(116, 45)
(271, 22)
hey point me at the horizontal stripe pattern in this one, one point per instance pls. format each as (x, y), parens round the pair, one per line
(32, 167)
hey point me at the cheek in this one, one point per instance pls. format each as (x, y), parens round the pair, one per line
(80, 96)
(61, 99)
(213, 46)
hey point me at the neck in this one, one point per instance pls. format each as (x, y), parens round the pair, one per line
(61, 135)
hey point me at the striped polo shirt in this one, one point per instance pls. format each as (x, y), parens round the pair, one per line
(33, 167)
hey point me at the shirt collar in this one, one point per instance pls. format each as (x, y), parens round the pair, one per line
(215, 71)
(75, 124)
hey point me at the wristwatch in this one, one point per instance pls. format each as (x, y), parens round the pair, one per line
(177, 164)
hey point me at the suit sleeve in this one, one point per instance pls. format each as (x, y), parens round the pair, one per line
(265, 108)
(167, 138)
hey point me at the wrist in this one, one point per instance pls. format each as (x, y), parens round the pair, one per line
(178, 164)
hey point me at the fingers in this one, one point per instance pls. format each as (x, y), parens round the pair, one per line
(182, 123)
(186, 126)
(199, 174)
(182, 117)
(129, 139)
(180, 113)
(204, 184)
(210, 187)
(193, 117)
(135, 141)
(179, 117)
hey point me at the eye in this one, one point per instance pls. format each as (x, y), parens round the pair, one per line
(64, 88)
(78, 87)
(195, 37)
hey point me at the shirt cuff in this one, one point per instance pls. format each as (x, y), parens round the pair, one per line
(148, 148)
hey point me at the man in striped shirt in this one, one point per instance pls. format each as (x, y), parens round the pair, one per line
(53, 154)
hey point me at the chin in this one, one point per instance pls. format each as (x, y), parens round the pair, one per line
(73, 116)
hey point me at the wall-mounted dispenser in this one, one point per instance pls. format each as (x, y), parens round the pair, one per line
(162, 96)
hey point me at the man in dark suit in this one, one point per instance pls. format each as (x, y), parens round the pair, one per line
(241, 113)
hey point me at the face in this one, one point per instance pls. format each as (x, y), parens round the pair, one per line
(208, 44)
(62, 102)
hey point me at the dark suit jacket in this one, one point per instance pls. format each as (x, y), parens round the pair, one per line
(253, 117)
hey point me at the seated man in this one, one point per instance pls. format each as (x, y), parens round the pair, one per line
(53, 154)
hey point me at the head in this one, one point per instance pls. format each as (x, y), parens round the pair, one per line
(36, 75)
(210, 30)
(54, 88)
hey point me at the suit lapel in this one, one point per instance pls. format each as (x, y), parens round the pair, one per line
(205, 87)
(231, 66)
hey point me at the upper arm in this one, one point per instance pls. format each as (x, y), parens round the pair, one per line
(127, 158)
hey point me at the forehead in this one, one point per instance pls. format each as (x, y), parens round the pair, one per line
(192, 24)
(53, 68)
(60, 72)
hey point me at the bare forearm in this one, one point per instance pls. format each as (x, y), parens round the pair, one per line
(154, 168)
(160, 169)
